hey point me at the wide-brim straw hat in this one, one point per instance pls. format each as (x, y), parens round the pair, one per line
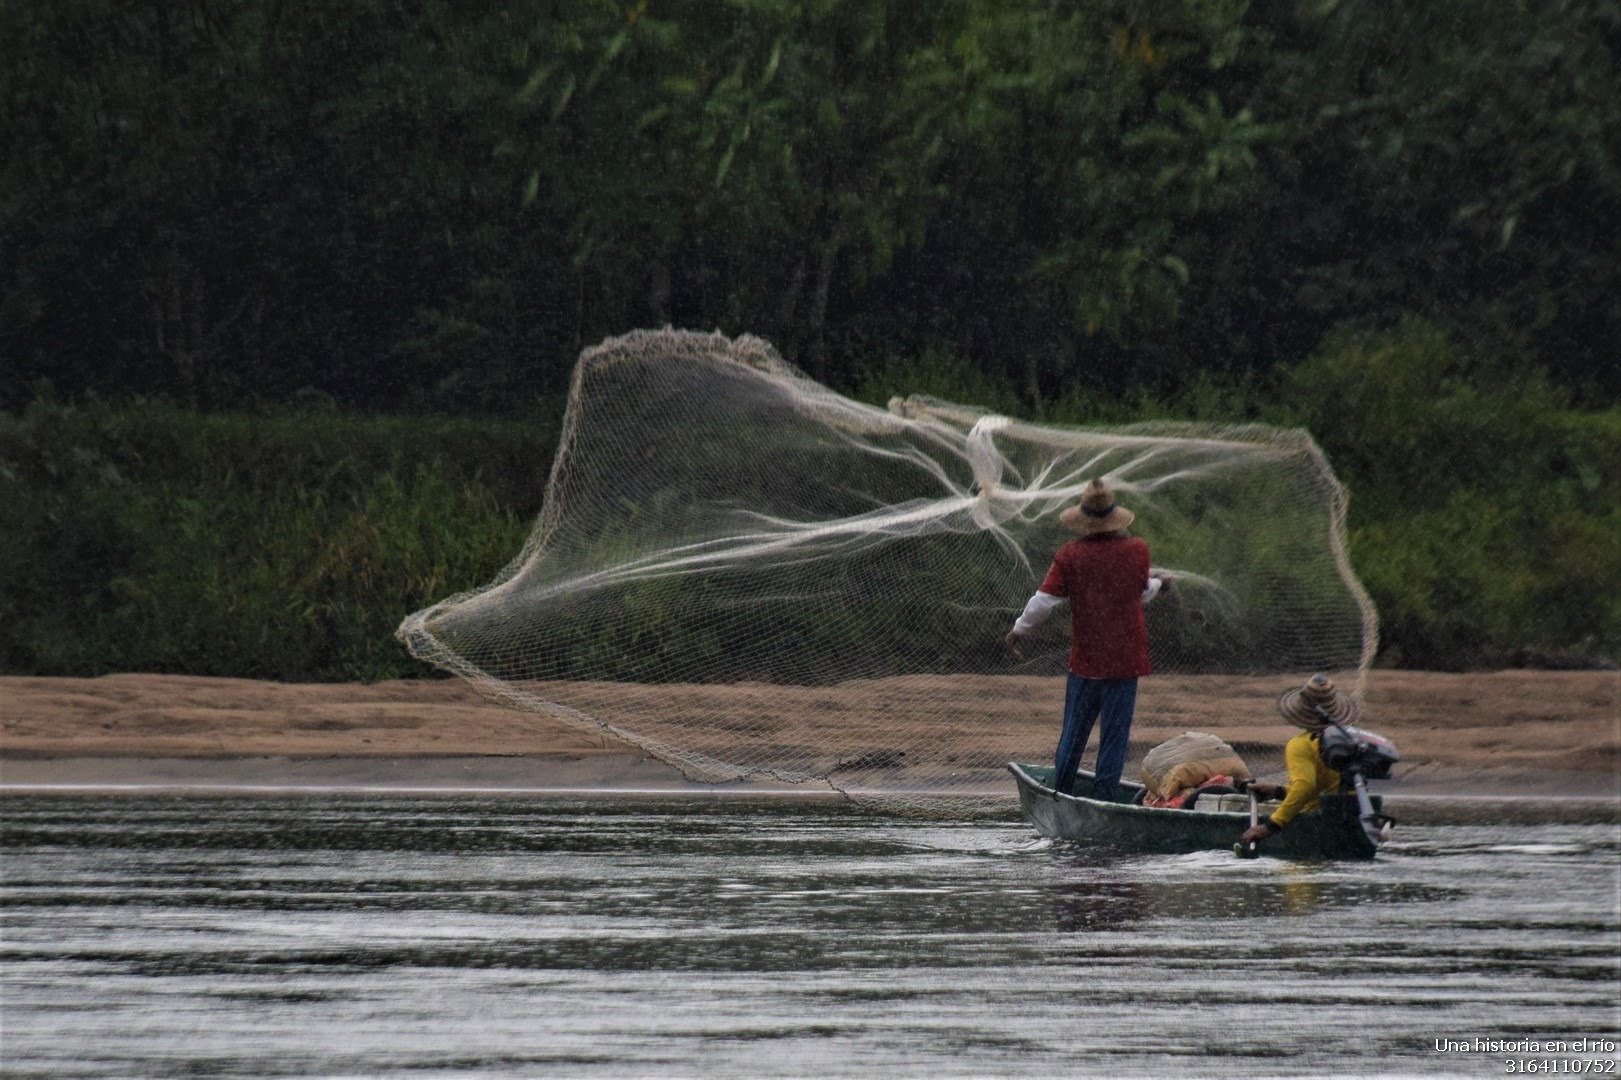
(1315, 705)
(1097, 513)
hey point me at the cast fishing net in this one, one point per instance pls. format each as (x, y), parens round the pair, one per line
(747, 575)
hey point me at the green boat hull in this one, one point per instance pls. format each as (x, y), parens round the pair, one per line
(1334, 831)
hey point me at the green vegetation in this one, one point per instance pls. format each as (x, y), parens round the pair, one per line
(1485, 519)
(435, 206)
(275, 546)
(257, 250)
(1486, 514)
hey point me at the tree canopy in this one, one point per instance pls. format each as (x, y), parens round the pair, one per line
(428, 204)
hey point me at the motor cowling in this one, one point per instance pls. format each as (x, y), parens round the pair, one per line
(1346, 748)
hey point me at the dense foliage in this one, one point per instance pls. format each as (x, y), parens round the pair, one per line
(284, 546)
(1485, 514)
(408, 203)
(1485, 519)
(1392, 224)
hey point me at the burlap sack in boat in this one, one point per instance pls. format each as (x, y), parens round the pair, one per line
(1187, 761)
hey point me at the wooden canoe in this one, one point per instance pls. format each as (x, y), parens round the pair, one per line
(1334, 831)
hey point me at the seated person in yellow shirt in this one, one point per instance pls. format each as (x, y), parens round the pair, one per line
(1312, 707)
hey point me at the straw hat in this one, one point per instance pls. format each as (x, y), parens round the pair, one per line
(1097, 513)
(1315, 705)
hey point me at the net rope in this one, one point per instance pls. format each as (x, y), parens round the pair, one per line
(747, 575)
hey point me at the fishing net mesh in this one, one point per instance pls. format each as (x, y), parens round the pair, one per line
(746, 575)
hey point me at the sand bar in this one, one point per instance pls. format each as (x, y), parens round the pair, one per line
(1498, 733)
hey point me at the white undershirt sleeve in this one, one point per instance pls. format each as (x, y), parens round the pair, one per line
(1041, 605)
(1035, 612)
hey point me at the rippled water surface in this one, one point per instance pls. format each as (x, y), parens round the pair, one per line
(588, 938)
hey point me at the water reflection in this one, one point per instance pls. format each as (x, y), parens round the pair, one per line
(1301, 897)
(1106, 892)
(1109, 905)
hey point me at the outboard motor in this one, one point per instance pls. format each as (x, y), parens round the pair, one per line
(1362, 756)
(1344, 747)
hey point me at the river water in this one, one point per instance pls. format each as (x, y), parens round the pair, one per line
(710, 937)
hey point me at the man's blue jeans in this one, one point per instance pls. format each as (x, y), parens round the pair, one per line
(1086, 701)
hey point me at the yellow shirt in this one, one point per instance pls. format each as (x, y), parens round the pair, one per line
(1308, 778)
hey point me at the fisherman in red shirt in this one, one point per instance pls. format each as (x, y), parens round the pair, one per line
(1104, 576)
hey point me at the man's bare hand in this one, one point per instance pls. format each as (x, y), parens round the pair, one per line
(1014, 644)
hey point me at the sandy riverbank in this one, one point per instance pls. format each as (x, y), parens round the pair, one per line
(1507, 732)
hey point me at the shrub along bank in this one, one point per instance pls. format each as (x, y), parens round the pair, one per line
(283, 546)
(1485, 510)
(1485, 514)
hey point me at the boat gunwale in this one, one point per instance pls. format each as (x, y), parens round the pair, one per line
(1236, 815)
